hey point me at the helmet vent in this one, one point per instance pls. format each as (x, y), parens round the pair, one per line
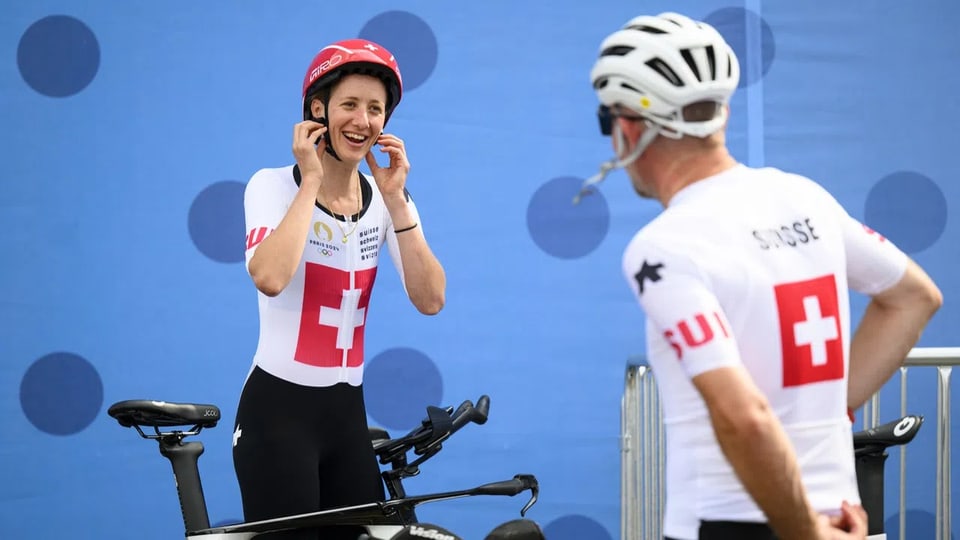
(647, 29)
(617, 50)
(665, 71)
(688, 58)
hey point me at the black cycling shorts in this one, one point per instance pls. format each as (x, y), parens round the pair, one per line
(735, 530)
(301, 449)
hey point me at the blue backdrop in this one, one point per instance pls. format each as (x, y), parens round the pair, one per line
(132, 127)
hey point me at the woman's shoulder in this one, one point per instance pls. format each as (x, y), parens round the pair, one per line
(273, 174)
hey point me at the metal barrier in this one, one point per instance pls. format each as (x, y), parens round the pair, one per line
(642, 490)
(642, 457)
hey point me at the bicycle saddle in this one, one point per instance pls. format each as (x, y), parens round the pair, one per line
(893, 433)
(142, 412)
(377, 434)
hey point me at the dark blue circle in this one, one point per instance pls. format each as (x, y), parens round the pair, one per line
(576, 527)
(58, 56)
(561, 228)
(908, 208)
(216, 222)
(919, 524)
(410, 39)
(732, 23)
(398, 385)
(61, 393)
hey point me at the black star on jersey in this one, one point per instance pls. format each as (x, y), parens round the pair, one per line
(648, 271)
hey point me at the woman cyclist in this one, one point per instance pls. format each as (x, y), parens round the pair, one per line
(315, 234)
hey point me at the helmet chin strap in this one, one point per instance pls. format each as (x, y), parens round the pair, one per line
(618, 162)
(329, 147)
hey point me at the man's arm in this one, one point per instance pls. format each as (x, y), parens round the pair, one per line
(890, 327)
(757, 447)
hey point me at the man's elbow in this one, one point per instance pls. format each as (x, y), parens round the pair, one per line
(267, 284)
(432, 305)
(932, 299)
(916, 292)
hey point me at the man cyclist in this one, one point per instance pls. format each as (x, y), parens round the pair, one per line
(744, 279)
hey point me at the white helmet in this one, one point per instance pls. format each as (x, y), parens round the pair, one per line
(656, 66)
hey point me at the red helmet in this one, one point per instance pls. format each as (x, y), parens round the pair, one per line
(348, 57)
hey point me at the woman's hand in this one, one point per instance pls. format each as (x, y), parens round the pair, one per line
(307, 151)
(392, 178)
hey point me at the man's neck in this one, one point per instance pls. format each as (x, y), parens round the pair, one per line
(691, 168)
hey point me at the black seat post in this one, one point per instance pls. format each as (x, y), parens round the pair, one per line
(183, 457)
(870, 448)
(870, 469)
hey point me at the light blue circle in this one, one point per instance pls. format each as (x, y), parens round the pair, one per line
(576, 527)
(61, 393)
(732, 23)
(398, 385)
(908, 208)
(561, 228)
(58, 56)
(410, 39)
(216, 222)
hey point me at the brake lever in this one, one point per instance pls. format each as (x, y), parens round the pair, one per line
(530, 482)
(519, 483)
(482, 410)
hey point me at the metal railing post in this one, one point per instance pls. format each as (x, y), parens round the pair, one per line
(644, 456)
(902, 506)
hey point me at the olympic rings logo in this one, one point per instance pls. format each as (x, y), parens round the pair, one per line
(325, 252)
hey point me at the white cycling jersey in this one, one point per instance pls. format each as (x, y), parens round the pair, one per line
(752, 267)
(312, 332)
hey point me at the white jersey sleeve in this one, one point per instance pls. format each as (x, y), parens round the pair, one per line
(681, 307)
(265, 203)
(874, 263)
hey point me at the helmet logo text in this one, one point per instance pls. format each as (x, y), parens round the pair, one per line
(325, 66)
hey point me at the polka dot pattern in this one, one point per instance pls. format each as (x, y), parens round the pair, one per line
(216, 222)
(399, 384)
(58, 56)
(61, 393)
(562, 229)
(909, 209)
(410, 39)
(735, 25)
(576, 527)
(919, 524)
(88, 62)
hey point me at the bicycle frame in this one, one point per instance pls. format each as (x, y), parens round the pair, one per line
(380, 519)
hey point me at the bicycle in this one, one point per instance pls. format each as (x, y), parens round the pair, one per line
(870, 450)
(382, 520)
